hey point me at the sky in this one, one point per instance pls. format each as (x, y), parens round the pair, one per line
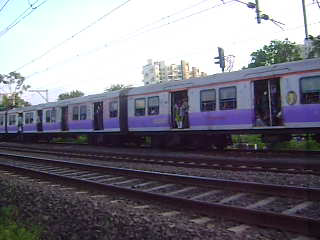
(88, 45)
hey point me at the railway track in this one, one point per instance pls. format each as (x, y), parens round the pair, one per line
(233, 164)
(275, 206)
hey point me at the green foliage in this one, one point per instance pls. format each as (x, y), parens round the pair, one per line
(305, 144)
(78, 140)
(276, 52)
(13, 87)
(13, 102)
(81, 140)
(115, 87)
(10, 230)
(72, 94)
(315, 52)
(250, 139)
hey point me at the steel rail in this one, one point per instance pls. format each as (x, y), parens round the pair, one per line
(301, 225)
(279, 190)
(190, 162)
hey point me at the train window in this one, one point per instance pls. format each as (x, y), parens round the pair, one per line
(75, 113)
(140, 107)
(153, 105)
(48, 113)
(28, 118)
(228, 98)
(310, 90)
(113, 109)
(51, 116)
(83, 112)
(208, 100)
(12, 119)
(1, 120)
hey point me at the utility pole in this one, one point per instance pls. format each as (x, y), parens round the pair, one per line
(305, 19)
(46, 98)
(258, 12)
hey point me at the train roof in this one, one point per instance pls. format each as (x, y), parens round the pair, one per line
(70, 101)
(250, 73)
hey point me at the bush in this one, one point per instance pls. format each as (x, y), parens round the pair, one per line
(10, 230)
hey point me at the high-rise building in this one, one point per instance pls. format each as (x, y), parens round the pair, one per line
(157, 72)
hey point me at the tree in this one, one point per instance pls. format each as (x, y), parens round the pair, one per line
(72, 94)
(115, 87)
(315, 51)
(12, 86)
(9, 102)
(276, 52)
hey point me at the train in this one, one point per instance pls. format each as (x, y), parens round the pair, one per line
(275, 101)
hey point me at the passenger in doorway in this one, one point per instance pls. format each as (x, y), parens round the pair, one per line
(259, 121)
(184, 113)
(177, 115)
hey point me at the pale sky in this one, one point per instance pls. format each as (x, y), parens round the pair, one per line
(79, 55)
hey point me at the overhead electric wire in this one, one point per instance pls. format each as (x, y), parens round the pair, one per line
(277, 23)
(138, 34)
(72, 36)
(167, 17)
(22, 16)
(172, 22)
(4, 5)
(102, 47)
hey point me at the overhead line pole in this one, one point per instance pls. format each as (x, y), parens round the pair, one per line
(305, 19)
(258, 12)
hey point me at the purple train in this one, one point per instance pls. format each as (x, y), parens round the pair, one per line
(275, 101)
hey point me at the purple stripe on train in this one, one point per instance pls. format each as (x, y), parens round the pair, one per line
(2, 129)
(30, 127)
(149, 121)
(51, 126)
(83, 124)
(226, 117)
(13, 128)
(302, 113)
(111, 123)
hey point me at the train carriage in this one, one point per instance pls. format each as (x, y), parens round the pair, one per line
(275, 101)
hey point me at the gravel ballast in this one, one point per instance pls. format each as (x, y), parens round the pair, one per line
(66, 213)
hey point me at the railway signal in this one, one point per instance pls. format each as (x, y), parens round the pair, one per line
(221, 59)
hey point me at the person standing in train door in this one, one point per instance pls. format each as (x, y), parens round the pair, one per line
(184, 113)
(177, 114)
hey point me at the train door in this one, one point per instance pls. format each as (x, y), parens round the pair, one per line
(179, 109)
(20, 122)
(267, 103)
(39, 121)
(64, 118)
(98, 116)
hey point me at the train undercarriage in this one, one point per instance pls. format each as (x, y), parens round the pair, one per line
(176, 139)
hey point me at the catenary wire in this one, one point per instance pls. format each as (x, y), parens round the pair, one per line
(4, 5)
(22, 16)
(72, 36)
(116, 41)
(51, 67)
(99, 19)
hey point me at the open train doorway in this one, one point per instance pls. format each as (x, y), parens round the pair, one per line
(267, 103)
(39, 121)
(64, 118)
(98, 116)
(180, 109)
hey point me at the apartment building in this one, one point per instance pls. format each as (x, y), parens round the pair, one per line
(157, 72)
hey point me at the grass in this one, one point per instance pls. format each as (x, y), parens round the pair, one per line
(11, 230)
(296, 143)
